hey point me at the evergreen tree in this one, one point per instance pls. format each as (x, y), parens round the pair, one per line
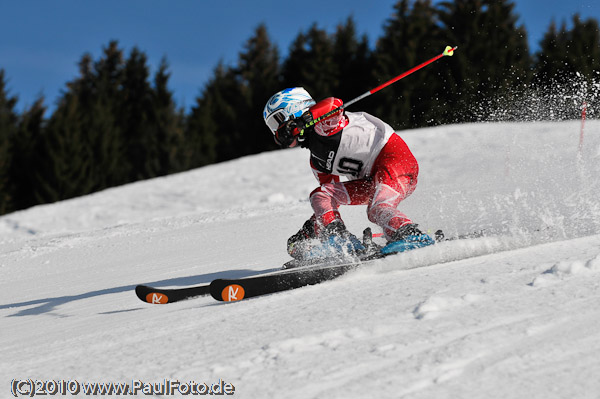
(99, 93)
(26, 154)
(584, 47)
(213, 130)
(96, 97)
(259, 71)
(8, 127)
(567, 66)
(410, 37)
(310, 64)
(110, 127)
(65, 168)
(495, 56)
(135, 110)
(167, 124)
(293, 66)
(563, 52)
(353, 60)
(82, 145)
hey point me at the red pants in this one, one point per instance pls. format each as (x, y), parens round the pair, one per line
(393, 178)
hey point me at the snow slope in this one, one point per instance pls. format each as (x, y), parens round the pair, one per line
(513, 315)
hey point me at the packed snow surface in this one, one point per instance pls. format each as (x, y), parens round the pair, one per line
(512, 314)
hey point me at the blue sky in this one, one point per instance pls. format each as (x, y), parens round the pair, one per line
(41, 41)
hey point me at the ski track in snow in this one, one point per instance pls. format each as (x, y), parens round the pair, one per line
(510, 315)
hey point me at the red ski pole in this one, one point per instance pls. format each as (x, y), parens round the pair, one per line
(448, 51)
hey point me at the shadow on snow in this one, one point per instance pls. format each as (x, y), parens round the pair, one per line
(47, 305)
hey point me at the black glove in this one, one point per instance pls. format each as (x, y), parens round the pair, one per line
(305, 119)
(284, 136)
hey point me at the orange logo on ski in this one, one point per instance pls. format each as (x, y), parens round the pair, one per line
(233, 292)
(155, 297)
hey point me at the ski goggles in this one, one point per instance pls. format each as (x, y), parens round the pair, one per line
(276, 119)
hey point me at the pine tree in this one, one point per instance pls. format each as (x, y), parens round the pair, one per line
(259, 71)
(98, 94)
(584, 46)
(293, 66)
(8, 127)
(135, 111)
(167, 124)
(310, 64)
(65, 168)
(213, 129)
(410, 37)
(26, 154)
(82, 146)
(564, 52)
(567, 69)
(353, 62)
(495, 56)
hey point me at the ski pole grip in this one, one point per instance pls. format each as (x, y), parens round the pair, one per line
(449, 51)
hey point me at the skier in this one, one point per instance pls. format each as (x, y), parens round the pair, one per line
(380, 168)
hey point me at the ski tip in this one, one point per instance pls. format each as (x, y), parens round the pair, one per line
(233, 292)
(148, 294)
(226, 291)
(449, 51)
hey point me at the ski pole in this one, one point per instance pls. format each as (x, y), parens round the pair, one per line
(448, 51)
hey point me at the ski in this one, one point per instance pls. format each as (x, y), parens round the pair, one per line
(229, 290)
(169, 295)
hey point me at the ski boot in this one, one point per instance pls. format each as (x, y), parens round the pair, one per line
(406, 238)
(333, 244)
(299, 245)
(339, 241)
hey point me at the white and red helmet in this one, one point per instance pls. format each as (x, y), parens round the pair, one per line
(287, 104)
